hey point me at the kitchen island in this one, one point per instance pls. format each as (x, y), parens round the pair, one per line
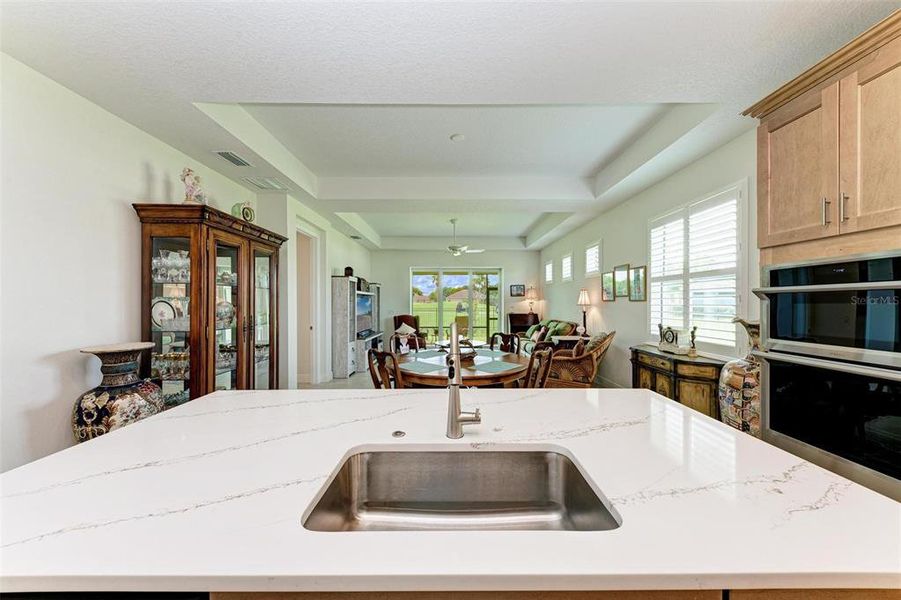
(212, 496)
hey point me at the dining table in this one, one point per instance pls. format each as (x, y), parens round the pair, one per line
(488, 368)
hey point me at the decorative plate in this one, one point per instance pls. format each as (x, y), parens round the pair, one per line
(225, 314)
(161, 310)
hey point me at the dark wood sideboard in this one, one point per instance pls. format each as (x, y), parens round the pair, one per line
(689, 381)
(520, 322)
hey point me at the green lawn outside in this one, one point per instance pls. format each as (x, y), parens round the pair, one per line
(428, 318)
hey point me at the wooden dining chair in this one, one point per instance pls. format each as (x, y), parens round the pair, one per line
(506, 342)
(539, 367)
(384, 370)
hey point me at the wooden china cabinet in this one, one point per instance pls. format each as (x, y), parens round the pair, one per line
(209, 301)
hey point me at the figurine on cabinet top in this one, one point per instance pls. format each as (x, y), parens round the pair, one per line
(194, 193)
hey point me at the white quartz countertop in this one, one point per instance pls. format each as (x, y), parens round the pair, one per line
(210, 496)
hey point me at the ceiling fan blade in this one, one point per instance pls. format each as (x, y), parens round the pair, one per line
(474, 251)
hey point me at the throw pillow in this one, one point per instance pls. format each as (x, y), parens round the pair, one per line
(559, 328)
(579, 349)
(595, 341)
(537, 336)
(531, 330)
(404, 329)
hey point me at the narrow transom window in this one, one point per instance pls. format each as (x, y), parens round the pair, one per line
(593, 259)
(566, 268)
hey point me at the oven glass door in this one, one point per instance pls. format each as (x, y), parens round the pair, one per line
(853, 415)
(865, 319)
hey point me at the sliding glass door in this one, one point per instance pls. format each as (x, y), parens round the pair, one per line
(469, 297)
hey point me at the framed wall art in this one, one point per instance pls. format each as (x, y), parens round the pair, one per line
(607, 290)
(518, 290)
(621, 280)
(638, 288)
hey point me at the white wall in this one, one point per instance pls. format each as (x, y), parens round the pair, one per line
(70, 248)
(624, 233)
(391, 268)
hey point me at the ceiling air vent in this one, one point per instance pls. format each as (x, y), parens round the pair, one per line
(233, 158)
(265, 183)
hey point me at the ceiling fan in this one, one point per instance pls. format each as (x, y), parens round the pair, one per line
(458, 250)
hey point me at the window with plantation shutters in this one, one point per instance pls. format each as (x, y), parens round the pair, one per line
(566, 268)
(593, 259)
(549, 272)
(693, 272)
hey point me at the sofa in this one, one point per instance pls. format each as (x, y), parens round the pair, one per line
(545, 329)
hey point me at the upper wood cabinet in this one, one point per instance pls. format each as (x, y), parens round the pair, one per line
(870, 142)
(829, 144)
(797, 170)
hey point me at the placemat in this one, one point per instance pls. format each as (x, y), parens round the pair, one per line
(421, 367)
(491, 353)
(497, 366)
(426, 353)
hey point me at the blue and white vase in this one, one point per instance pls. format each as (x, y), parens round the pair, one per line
(121, 398)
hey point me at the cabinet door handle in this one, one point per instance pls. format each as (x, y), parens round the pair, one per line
(826, 204)
(841, 208)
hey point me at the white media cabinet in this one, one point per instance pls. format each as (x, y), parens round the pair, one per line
(349, 351)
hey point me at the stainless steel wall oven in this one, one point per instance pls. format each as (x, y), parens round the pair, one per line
(831, 355)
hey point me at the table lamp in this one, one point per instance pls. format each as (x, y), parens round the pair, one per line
(584, 302)
(531, 296)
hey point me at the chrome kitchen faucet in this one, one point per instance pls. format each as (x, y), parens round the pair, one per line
(456, 418)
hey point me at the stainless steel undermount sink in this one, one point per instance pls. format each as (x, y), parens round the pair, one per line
(459, 490)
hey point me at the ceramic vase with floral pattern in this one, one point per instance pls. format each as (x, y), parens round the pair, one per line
(739, 389)
(122, 396)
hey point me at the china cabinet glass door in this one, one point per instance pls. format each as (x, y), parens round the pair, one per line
(261, 323)
(170, 317)
(229, 317)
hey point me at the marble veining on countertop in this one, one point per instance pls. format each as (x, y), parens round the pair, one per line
(211, 495)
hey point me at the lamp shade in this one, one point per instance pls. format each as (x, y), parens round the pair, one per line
(531, 294)
(584, 301)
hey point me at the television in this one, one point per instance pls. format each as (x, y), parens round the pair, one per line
(364, 313)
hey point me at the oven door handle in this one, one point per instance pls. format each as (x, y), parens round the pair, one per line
(829, 287)
(832, 365)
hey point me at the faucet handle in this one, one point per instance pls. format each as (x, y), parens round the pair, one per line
(471, 417)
